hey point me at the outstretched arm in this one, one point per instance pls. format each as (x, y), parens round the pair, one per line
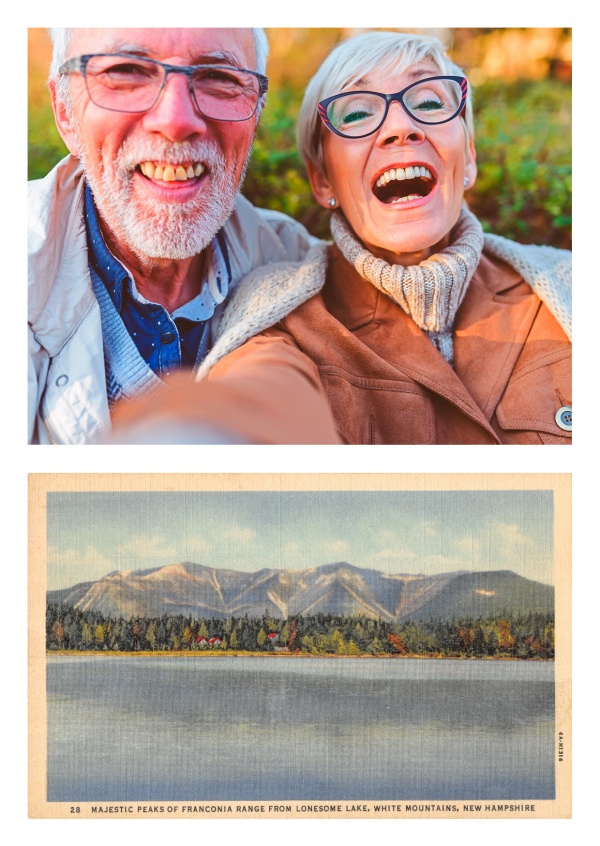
(265, 392)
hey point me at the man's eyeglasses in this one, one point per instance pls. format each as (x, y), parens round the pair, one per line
(356, 114)
(123, 82)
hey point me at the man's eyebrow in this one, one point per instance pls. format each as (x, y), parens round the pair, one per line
(126, 47)
(217, 57)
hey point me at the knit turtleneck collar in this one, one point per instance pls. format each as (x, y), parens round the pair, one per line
(430, 292)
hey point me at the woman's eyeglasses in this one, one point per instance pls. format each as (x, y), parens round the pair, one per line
(356, 114)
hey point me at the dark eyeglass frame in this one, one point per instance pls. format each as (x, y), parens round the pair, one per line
(78, 64)
(398, 97)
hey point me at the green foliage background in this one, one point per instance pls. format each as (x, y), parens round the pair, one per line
(523, 141)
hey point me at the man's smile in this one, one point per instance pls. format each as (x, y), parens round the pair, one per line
(165, 172)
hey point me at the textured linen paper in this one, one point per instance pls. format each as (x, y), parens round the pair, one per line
(334, 646)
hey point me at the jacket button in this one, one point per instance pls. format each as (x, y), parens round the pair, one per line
(168, 337)
(62, 380)
(564, 418)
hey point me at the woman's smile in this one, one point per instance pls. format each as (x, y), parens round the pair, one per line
(402, 184)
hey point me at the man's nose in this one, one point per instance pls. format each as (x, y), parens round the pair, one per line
(399, 127)
(175, 114)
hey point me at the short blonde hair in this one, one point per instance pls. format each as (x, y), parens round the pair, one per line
(357, 57)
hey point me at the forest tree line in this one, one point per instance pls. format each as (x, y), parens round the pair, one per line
(509, 635)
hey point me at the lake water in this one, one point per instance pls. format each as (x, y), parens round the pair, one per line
(289, 728)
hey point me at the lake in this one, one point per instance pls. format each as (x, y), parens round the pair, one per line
(298, 728)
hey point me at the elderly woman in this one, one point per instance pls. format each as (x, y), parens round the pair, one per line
(421, 329)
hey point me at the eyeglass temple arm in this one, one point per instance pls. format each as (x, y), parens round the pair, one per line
(77, 63)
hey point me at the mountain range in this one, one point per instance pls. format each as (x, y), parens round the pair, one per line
(339, 588)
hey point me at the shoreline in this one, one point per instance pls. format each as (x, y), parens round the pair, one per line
(79, 653)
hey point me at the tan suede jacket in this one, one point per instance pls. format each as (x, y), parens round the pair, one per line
(387, 384)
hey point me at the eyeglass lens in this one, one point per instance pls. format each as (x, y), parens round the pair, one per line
(361, 113)
(133, 85)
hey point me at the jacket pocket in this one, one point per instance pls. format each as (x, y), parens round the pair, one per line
(378, 411)
(532, 399)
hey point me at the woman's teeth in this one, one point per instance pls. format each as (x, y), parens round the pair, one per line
(171, 173)
(403, 173)
(408, 198)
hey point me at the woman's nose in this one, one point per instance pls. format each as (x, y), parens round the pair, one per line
(399, 127)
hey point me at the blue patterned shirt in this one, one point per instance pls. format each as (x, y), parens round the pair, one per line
(166, 342)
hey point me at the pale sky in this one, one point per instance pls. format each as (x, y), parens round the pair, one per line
(91, 534)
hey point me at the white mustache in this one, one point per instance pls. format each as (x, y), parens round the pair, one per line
(132, 153)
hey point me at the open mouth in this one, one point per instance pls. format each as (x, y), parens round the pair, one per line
(171, 172)
(401, 185)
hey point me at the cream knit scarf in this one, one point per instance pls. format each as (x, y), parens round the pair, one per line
(430, 292)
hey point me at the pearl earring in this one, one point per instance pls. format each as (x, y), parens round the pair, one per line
(332, 202)
(466, 182)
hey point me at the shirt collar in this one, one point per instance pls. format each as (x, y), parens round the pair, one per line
(109, 269)
(115, 276)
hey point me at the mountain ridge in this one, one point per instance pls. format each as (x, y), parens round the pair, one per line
(341, 588)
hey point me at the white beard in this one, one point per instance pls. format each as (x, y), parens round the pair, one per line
(155, 229)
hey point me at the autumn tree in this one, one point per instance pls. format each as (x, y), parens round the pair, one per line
(506, 641)
(397, 644)
(99, 635)
(58, 632)
(86, 635)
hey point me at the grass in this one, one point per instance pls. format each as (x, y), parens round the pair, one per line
(234, 653)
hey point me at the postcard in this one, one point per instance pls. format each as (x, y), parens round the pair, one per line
(300, 646)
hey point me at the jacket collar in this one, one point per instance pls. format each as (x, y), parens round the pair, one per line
(58, 258)
(497, 307)
(491, 329)
(265, 297)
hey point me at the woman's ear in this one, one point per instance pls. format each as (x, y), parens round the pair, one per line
(470, 164)
(64, 120)
(320, 185)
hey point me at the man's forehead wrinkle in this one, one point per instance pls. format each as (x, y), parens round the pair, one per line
(203, 57)
(217, 57)
(125, 47)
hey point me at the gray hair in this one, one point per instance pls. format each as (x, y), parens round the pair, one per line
(357, 57)
(61, 40)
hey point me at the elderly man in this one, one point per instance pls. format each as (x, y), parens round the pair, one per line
(139, 236)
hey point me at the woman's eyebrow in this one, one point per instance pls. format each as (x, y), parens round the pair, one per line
(417, 73)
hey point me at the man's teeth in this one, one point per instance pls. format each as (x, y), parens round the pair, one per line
(171, 173)
(403, 173)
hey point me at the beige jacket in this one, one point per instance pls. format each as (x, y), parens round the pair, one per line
(66, 379)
